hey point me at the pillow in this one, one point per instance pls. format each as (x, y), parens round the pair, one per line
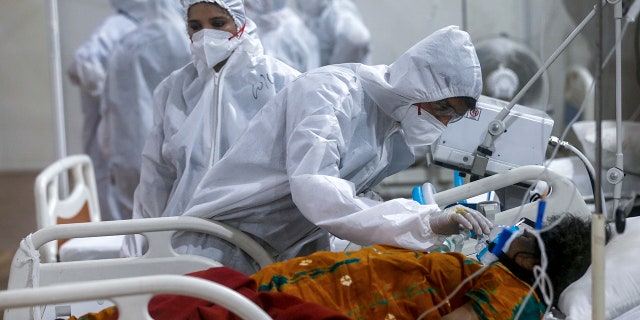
(622, 278)
(586, 133)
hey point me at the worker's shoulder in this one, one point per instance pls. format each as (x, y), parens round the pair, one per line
(154, 39)
(330, 76)
(180, 78)
(275, 66)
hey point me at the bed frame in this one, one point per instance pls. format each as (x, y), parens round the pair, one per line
(27, 271)
(132, 295)
(564, 197)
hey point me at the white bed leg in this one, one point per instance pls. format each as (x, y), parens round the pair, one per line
(598, 265)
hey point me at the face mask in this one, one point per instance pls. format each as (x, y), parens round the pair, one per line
(420, 129)
(498, 244)
(213, 46)
(499, 241)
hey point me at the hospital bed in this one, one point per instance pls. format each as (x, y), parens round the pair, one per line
(623, 277)
(623, 285)
(563, 198)
(160, 258)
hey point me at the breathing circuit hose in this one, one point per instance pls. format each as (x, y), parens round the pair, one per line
(555, 141)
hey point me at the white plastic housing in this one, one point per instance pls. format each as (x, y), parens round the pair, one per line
(524, 141)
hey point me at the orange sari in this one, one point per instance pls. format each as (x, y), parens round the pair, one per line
(382, 282)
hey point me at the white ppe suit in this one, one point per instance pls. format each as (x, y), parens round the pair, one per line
(198, 116)
(88, 70)
(283, 34)
(329, 136)
(342, 34)
(137, 65)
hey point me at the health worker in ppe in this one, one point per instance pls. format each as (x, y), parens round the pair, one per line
(283, 33)
(138, 63)
(88, 71)
(306, 163)
(201, 109)
(342, 34)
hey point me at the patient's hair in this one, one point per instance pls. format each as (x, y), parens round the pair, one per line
(568, 247)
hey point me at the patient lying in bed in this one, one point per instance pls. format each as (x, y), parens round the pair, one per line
(381, 282)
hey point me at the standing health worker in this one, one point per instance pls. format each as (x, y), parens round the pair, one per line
(201, 109)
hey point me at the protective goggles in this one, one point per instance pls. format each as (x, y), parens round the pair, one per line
(442, 108)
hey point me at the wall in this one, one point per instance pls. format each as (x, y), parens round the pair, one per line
(27, 130)
(27, 139)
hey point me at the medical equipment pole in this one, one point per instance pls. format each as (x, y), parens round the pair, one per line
(464, 15)
(598, 219)
(615, 175)
(56, 80)
(497, 127)
(55, 75)
(598, 266)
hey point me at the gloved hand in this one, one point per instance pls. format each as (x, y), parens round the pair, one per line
(449, 220)
(370, 194)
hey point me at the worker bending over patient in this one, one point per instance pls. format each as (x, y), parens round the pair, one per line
(306, 163)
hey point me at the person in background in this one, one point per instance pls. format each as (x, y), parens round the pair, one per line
(283, 34)
(342, 34)
(88, 71)
(202, 109)
(142, 59)
(305, 165)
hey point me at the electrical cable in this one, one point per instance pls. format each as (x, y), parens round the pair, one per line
(575, 119)
(553, 141)
(542, 280)
(446, 300)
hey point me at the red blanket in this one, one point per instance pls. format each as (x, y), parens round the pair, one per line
(278, 305)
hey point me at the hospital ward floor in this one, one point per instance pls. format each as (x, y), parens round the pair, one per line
(17, 216)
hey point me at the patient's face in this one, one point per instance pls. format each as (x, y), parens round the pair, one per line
(524, 250)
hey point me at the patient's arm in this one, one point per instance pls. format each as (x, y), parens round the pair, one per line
(462, 313)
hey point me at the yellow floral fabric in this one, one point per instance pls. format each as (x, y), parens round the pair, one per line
(382, 282)
(104, 314)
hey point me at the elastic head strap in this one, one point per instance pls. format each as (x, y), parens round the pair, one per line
(239, 33)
